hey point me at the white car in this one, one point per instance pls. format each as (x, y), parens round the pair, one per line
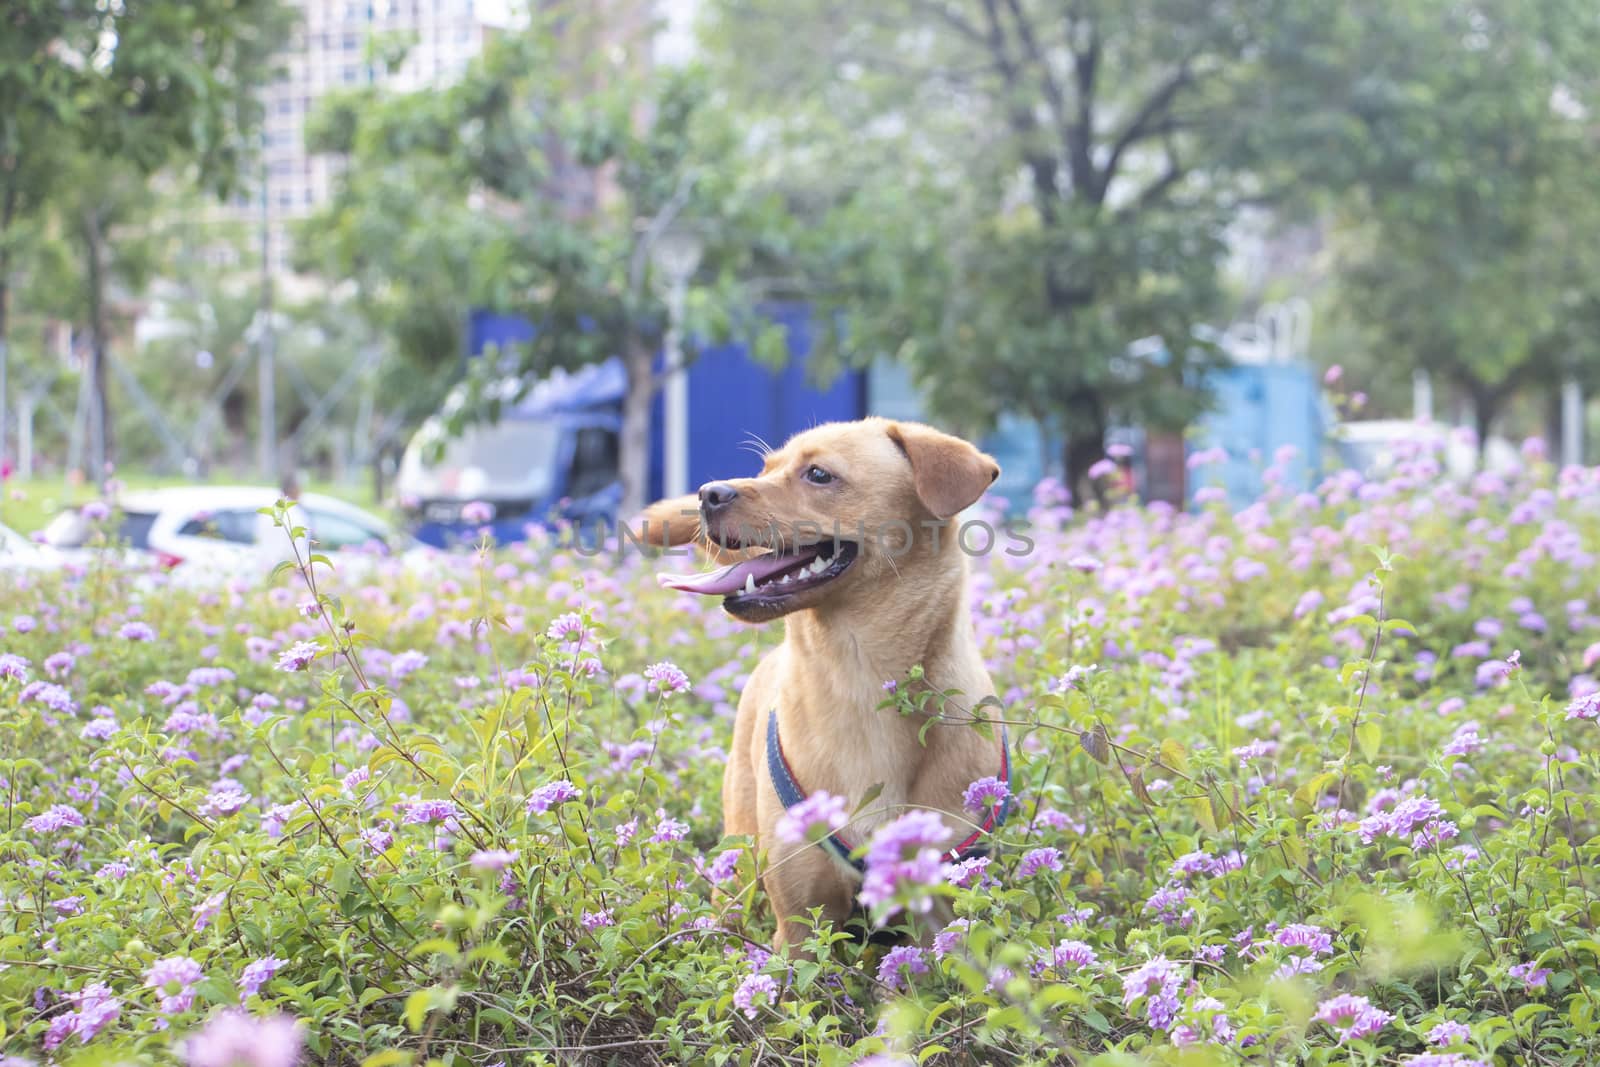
(17, 553)
(1375, 446)
(218, 531)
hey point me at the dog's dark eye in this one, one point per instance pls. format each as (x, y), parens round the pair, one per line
(817, 476)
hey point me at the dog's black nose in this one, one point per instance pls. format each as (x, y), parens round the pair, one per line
(714, 496)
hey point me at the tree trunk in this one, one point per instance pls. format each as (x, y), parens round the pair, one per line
(1085, 446)
(635, 444)
(1485, 405)
(8, 211)
(100, 438)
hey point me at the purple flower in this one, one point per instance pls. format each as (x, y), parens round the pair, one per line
(1305, 935)
(136, 631)
(256, 975)
(174, 979)
(1531, 974)
(900, 965)
(1157, 981)
(1351, 1016)
(819, 809)
(1449, 1033)
(1443, 1059)
(724, 866)
(755, 986)
(1075, 676)
(1039, 859)
(54, 819)
(1193, 863)
(94, 1008)
(1074, 954)
(550, 795)
(206, 912)
(298, 656)
(569, 629)
(1169, 905)
(1297, 965)
(13, 666)
(666, 678)
(493, 859)
(233, 1038)
(408, 662)
(51, 696)
(477, 512)
(966, 873)
(594, 920)
(59, 663)
(669, 829)
(414, 812)
(947, 940)
(1585, 707)
(95, 511)
(98, 730)
(904, 860)
(984, 794)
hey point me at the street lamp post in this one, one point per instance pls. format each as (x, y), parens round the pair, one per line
(676, 255)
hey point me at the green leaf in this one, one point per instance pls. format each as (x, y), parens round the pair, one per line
(1369, 735)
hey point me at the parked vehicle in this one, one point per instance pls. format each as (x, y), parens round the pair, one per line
(1374, 446)
(17, 553)
(554, 454)
(219, 531)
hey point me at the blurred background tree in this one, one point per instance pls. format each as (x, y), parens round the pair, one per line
(95, 99)
(540, 183)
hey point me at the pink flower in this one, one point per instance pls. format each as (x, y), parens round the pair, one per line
(1351, 1017)
(298, 656)
(493, 859)
(1039, 859)
(256, 975)
(550, 795)
(762, 987)
(1531, 974)
(900, 965)
(984, 794)
(666, 678)
(233, 1038)
(904, 861)
(820, 809)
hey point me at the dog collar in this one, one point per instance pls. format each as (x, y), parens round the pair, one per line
(790, 794)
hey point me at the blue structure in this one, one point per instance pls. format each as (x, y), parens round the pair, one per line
(733, 400)
(555, 453)
(1258, 408)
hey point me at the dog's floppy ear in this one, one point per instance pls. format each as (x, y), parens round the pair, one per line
(950, 474)
(666, 523)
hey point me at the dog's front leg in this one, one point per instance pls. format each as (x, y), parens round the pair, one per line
(801, 879)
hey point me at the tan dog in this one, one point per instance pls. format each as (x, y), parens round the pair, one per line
(846, 535)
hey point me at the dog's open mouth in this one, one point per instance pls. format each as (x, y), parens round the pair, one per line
(769, 580)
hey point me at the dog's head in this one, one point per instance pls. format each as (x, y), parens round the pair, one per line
(835, 509)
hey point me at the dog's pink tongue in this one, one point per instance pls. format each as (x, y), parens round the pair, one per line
(728, 580)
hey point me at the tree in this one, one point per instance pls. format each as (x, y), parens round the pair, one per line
(1007, 193)
(539, 184)
(1466, 248)
(103, 91)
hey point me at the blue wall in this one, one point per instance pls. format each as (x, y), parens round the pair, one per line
(1257, 408)
(732, 398)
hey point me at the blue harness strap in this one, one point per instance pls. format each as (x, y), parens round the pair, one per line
(790, 794)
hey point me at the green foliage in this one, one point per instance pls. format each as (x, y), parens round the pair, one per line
(1464, 252)
(540, 183)
(322, 800)
(1006, 194)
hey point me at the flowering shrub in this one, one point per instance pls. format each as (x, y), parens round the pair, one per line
(1277, 796)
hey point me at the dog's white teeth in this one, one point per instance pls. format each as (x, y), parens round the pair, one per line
(749, 583)
(784, 580)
